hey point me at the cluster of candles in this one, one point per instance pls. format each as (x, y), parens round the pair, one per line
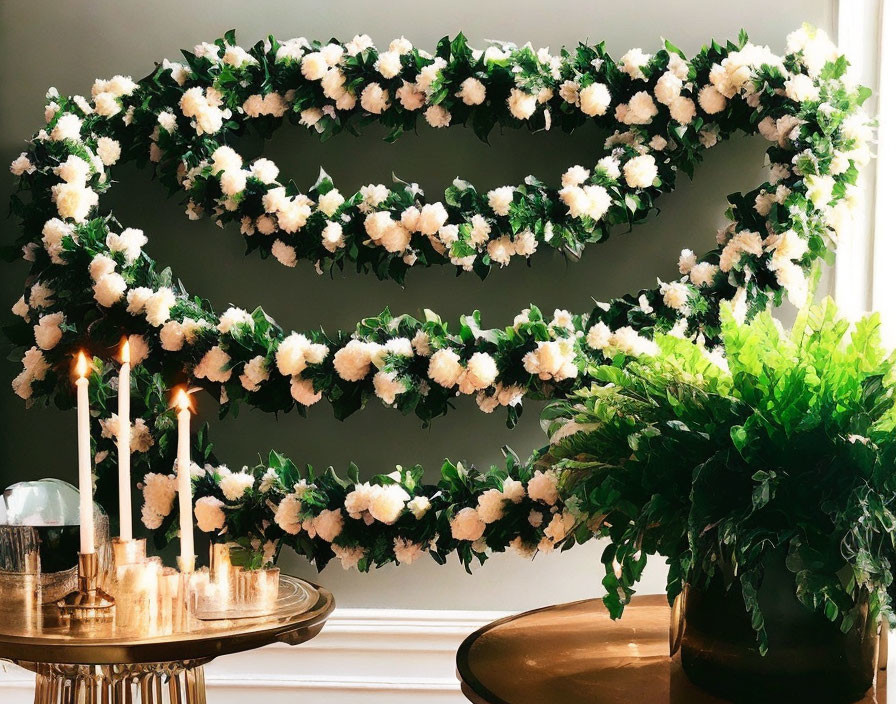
(85, 462)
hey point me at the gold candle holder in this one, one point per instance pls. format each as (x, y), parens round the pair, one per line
(219, 564)
(129, 552)
(88, 602)
(186, 564)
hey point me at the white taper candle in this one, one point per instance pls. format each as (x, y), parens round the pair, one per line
(124, 443)
(184, 484)
(85, 471)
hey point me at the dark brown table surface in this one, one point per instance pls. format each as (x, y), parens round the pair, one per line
(574, 653)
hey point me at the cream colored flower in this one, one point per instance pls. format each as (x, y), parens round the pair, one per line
(214, 365)
(445, 368)
(302, 390)
(407, 552)
(521, 104)
(209, 514)
(374, 98)
(467, 525)
(472, 91)
(234, 485)
(500, 200)
(640, 172)
(352, 362)
(543, 487)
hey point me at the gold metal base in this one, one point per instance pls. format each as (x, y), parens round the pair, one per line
(144, 683)
(128, 552)
(186, 564)
(88, 602)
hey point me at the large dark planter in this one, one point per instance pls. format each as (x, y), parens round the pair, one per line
(809, 658)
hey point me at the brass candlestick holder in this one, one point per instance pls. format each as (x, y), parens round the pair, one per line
(88, 602)
(128, 552)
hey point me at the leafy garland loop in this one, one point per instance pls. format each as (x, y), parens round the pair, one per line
(91, 279)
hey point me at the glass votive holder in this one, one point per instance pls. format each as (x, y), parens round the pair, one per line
(258, 591)
(231, 592)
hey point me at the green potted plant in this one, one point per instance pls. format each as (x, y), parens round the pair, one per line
(765, 473)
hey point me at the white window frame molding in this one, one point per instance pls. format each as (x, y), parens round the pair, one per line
(866, 33)
(883, 293)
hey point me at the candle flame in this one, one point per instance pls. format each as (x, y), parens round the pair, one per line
(81, 367)
(125, 351)
(182, 400)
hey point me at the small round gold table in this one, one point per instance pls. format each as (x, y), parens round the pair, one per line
(105, 663)
(574, 653)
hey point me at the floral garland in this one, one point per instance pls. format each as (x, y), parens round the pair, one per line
(91, 278)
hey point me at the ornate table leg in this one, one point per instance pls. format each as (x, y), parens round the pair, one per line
(148, 683)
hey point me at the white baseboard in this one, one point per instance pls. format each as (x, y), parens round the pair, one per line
(363, 656)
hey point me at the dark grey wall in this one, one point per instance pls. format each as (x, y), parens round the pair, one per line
(68, 44)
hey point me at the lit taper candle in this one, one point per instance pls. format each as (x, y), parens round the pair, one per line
(184, 485)
(124, 443)
(85, 471)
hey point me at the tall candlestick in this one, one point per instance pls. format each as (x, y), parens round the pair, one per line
(184, 486)
(124, 443)
(85, 478)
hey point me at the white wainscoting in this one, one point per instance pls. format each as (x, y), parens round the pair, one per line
(363, 656)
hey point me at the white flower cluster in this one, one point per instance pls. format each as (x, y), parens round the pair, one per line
(34, 368)
(365, 501)
(375, 502)
(154, 305)
(203, 106)
(159, 491)
(73, 197)
(294, 354)
(234, 485)
(108, 285)
(326, 65)
(296, 510)
(624, 340)
(209, 512)
(141, 436)
(107, 94)
(479, 372)
(470, 523)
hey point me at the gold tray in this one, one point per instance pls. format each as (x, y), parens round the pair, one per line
(38, 635)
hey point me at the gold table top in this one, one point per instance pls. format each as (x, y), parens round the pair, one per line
(25, 637)
(574, 653)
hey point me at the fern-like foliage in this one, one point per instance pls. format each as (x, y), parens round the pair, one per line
(785, 443)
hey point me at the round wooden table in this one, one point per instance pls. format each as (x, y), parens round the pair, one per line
(574, 653)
